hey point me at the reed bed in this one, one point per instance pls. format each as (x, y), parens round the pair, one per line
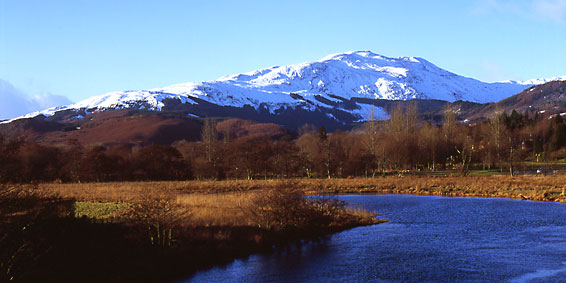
(207, 203)
(231, 202)
(534, 187)
(226, 209)
(541, 188)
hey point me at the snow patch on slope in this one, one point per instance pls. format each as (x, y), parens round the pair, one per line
(345, 75)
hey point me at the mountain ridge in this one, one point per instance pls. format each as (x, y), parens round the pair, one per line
(328, 85)
(135, 127)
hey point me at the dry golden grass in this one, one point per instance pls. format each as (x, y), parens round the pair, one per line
(205, 208)
(131, 191)
(543, 188)
(548, 188)
(360, 212)
(209, 203)
(226, 209)
(227, 203)
(109, 192)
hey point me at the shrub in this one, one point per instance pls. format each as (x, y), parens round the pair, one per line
(160, 213)
(283, 209)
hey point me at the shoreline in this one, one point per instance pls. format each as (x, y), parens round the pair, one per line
(549, 193)
(441, 194)
(218, 234)
(176, 247)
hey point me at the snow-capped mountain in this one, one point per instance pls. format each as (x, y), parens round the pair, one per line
(333, 84)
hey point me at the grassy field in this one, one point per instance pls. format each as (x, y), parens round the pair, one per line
(231, 203)
(225, 203)
(533, 187)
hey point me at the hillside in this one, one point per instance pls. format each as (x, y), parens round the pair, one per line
(336, 91)
(130, 127)
(546, 99)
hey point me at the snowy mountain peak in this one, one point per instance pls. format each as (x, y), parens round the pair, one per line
(369, 57)
(330, 83)
(536, 81)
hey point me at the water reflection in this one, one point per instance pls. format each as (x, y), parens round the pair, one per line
(427, 239)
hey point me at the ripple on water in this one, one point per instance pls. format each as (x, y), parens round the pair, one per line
(428, 239)
(543, 275)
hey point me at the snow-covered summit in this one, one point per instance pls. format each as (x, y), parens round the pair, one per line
(311, 85)
(355, 74)
(536, 81)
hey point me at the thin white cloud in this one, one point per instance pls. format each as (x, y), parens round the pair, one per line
(47, 100)
(486, 7)
(553, 10)
(14, 102)
(546, 10)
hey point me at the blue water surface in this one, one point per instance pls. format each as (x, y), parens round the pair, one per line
(427, 239)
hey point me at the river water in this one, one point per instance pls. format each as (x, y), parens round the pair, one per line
(427, 239)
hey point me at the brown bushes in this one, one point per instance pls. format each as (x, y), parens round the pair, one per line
(160, 213)
(289, 209)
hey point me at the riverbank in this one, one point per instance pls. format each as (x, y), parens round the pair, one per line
(151, 233)
(528, 187)
(162, 231)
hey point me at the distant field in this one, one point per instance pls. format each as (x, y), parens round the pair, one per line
(534, 187)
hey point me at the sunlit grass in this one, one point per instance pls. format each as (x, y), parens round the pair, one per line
(98, 210)
(481, 184)
(228, 202)
(224, 209)
(107, 201)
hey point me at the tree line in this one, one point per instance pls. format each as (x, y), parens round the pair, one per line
(403, 142)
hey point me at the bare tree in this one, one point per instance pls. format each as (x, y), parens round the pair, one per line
(401, 145)
(449, 124)
(373, 131)
(209, 137)
(466, 150)
(308, 151)
(496, 136)
(429, 141)
(324, 144)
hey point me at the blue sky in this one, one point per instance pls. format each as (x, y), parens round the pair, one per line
(83, 48)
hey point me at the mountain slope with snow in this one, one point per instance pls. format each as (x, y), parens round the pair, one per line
(328, 84)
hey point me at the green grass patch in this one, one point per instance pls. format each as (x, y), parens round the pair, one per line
(438, 173)
(98, 210)
(486, 172)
